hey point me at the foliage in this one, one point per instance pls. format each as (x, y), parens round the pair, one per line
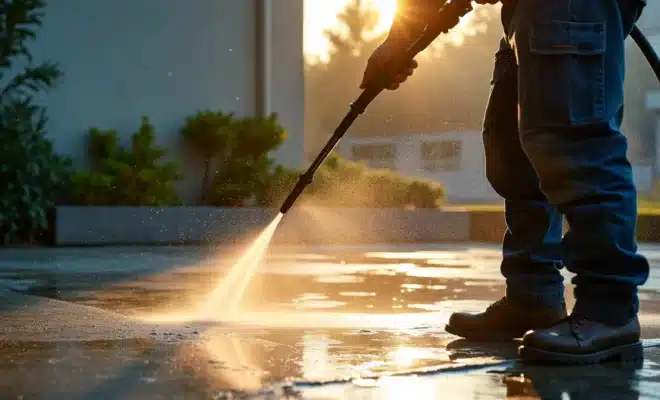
(32, 174)
(210, 134)
(342, 183)
(20, 19)
(119, 176)
(247, 166)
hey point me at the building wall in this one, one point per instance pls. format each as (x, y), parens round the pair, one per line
(649, 19)
(287, 86)
(167, 59)
(463, 177)
(641, 106)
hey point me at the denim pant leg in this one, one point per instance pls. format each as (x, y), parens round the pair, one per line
(571, 72)
(531, 248)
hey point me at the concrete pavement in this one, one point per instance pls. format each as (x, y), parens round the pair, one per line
(317, 323)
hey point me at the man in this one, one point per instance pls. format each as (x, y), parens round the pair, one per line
(553, 146)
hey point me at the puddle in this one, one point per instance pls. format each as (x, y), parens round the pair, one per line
(321, 326)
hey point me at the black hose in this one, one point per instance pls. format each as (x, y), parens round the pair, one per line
(647, 49)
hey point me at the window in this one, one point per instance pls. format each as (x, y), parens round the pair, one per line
(376, 155)
(444, 155)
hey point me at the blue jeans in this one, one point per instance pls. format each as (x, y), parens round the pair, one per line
(554, 147)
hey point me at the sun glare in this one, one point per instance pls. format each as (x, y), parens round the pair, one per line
(321, 15)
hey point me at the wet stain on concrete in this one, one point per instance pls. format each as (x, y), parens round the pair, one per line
(357, 324)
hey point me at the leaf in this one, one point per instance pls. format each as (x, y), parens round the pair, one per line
(31, 80)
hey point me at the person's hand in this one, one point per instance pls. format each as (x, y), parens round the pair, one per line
(381, 56)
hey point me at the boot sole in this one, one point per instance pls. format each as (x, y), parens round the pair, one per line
(483, 336)
(625, 353)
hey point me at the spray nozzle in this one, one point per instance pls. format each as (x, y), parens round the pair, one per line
(303, 181)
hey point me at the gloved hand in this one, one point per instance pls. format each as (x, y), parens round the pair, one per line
(385, 52)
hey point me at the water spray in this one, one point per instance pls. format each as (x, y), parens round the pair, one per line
(446, 17)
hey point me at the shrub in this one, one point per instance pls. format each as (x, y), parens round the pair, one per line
(210, 135)
(31, 174)
(118, 176)
(247, 167)
(242, 147)
(342, 183)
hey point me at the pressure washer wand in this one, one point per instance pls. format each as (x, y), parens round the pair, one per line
(442, 21)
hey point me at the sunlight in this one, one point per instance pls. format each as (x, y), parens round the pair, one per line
(322, 15)
(407, 356)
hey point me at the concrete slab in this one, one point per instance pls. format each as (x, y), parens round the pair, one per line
(320, 322)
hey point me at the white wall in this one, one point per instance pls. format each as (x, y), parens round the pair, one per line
(167, 59)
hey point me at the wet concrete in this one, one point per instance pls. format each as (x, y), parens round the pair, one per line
(318, 323)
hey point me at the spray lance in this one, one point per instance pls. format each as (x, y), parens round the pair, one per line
(446, 18)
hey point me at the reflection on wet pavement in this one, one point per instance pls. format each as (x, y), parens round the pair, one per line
(326, 325)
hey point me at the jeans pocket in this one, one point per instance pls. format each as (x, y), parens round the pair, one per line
(566, 75)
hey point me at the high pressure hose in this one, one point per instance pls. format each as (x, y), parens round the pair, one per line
(648, 50)
(442, 21)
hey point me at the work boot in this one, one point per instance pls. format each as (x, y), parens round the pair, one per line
(504, 320)
(577, 340)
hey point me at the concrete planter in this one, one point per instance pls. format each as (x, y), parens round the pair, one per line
(91, 226)
(80, 226)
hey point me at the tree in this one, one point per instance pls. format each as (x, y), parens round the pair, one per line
(19, 20)
(31, 173)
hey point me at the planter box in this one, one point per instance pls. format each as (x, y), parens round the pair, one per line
(93, 226)
(76, 226)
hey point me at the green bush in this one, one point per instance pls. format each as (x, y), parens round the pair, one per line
(119, 176)
(32, 175)
(247, 168)
(241, 146)
(211, 135)
(342, 183)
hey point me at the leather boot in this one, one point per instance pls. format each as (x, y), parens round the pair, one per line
(504, 320)
(577, 340)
